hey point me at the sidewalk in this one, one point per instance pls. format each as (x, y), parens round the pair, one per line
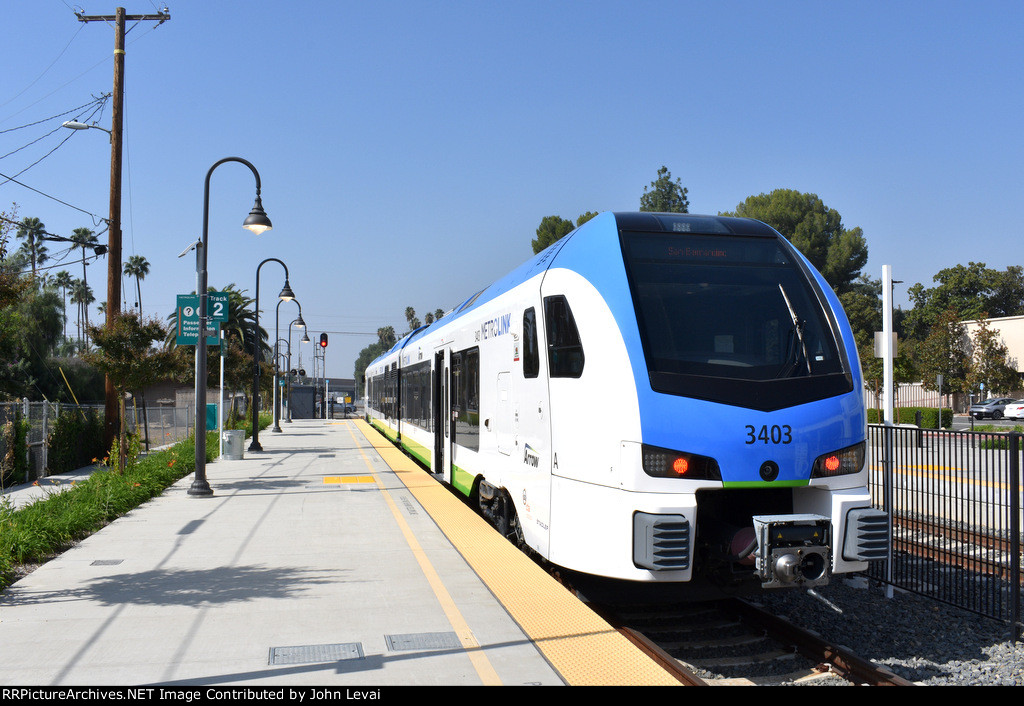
(26, 493)
(311, 564)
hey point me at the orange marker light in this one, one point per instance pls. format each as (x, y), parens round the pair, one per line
(832, 463)
(681, 466)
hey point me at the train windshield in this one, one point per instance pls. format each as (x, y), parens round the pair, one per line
(717, 308)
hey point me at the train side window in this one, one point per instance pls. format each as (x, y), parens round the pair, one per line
(466, 398)
(531, 354)
(565, 350)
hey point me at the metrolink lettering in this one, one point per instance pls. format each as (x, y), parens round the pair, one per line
(497, 326)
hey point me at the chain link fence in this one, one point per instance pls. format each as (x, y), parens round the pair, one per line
(158, 426)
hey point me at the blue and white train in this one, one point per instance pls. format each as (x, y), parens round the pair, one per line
(655, 398)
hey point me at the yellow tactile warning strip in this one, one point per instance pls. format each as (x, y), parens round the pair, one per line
(343, 480)
(582, 647)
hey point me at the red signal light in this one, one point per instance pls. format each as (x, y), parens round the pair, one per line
(323, 340)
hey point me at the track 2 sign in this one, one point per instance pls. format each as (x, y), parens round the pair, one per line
(188, 317)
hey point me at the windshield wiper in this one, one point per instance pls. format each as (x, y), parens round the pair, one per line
(798, 329)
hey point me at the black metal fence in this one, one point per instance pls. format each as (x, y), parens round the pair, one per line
(955, 503)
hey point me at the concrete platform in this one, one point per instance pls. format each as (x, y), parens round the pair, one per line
(315, 563)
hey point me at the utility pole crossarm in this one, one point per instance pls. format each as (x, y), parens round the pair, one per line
(160, 17)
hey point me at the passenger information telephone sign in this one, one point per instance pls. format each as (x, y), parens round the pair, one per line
(188, 318)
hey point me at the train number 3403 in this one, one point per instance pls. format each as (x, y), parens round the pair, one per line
(774, 434)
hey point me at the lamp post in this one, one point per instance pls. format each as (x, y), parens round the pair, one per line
(257, 222)
(305, 339)
(278, 355)
(285, 295)
(277, 335)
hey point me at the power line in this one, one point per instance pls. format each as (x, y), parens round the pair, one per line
(34, 81)
(96, 219)
(96, 99)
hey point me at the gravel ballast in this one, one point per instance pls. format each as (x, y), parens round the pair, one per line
(917, 638)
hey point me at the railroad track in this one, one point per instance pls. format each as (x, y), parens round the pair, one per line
(734, 642)
(975, 551)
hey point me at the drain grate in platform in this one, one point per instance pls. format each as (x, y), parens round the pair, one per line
(106, 562)
(423, 641)
(308, 654)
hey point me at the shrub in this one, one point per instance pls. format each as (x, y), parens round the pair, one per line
(75, 441)
(908, 415)
(14, 463)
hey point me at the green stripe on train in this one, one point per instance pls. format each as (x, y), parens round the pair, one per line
(766, 484)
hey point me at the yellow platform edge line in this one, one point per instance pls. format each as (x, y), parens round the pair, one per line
(583, 648)
(484, 669)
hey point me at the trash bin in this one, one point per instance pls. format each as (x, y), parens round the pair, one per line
(234, 444)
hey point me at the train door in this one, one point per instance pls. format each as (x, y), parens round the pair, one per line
(503, 414)
(532, 432)
(442, 415)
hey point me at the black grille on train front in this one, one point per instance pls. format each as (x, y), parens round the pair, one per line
(661, 542)
(867, 535)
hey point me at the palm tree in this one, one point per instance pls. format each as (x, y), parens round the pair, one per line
(137, 267)
(65, 282)
(240, 324)
(82, 295)
(31, 230)
(84, 238)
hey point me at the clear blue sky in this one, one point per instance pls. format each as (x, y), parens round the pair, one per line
(408, 150)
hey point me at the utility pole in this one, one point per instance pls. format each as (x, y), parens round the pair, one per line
(112, 414)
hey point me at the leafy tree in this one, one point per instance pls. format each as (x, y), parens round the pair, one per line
(665, 195)
(971, 290)
(138, 267)
(988, 361)
(30, 329)
(583, 218)
(945, 352)
(385, 340)
(816, 230)
(126, 355)
(551, 230)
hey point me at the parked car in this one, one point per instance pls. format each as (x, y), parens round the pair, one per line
(990, 408)
(1014, 410)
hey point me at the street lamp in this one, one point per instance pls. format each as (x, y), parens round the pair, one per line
(285, 295)
(257, 222)
(305, 339)
(75, 125)
(277, 335)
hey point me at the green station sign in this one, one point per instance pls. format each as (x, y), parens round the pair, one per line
(188, 318)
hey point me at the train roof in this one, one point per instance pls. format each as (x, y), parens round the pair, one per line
(619, 221)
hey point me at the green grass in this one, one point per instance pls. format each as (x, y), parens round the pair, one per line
(36, 532)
